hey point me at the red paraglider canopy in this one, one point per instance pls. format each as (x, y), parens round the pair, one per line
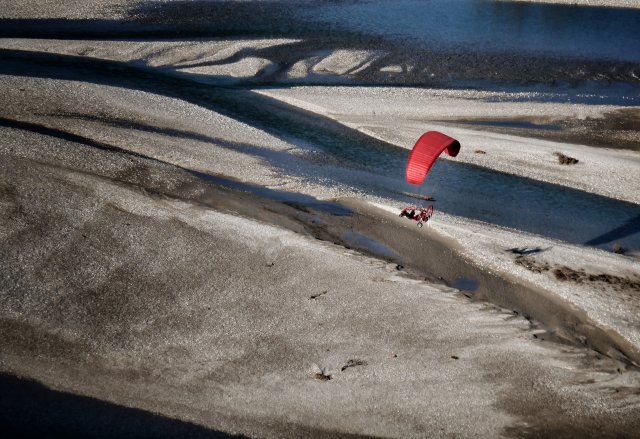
(426, 150)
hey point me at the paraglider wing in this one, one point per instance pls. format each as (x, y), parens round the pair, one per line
(426, 150)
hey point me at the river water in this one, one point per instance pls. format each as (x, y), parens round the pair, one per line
(493, 26)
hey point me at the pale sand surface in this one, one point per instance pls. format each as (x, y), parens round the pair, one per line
(599, 303)
(67, 9)
(180, 55)
(135, 283)
(129, 279)
(139, 289)
(401, 115)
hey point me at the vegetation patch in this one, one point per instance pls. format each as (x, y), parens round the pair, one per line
(568, 274)
(564, 273)
(532, 264)
(565, 159)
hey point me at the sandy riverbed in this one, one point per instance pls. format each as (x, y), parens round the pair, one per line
(137, 284)
(170, 267)
(144, 283)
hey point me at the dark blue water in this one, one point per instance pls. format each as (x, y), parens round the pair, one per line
(465, 283)
(514, 124)
(491, 26)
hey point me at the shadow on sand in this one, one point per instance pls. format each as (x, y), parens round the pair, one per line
(368, 164)
(29, 409)
(629, 227)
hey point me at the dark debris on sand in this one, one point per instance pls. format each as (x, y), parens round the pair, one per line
(580, 276)
(564, 273)
(565, 159)
(353, 363)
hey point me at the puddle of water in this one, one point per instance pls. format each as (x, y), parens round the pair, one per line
(359, 240)
(465, 283)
